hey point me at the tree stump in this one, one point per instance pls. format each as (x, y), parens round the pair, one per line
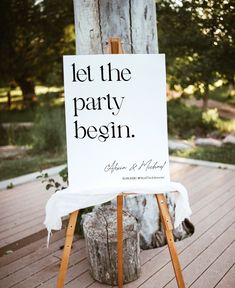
(100, 232)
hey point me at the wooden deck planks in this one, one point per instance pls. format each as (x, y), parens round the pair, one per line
(42, 268)
(159, 268)
(32, 257)
(228, 280)
(216, 271)
(205, 257)
(22, 211)
(195, 259)
(26, 231)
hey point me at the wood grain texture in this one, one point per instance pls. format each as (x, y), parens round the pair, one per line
(228, 280)
(100, 231)
(115, 22)
(67, 249)
(134, 21)
(87, 27)
(143, 27)
(168, 227)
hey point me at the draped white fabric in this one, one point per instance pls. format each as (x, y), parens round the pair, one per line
(66, 201)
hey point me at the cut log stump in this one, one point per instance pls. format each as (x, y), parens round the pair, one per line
(100, 231)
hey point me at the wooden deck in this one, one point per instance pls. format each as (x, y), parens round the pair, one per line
(207, 258)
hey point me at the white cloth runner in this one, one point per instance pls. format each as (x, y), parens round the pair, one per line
(65, 201)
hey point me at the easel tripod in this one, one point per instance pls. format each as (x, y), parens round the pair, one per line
(114, 47)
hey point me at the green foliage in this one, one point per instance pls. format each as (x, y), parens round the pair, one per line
(11, 168)
(198, 39)
(17, 115)
(34, 36)
(183, 121)
(79, 227)
(10, 185)
(49, 130)
(14, 135)
(224, 154)
(57, 186)
(51, 182)
(189, 121)
(210, 118)
(50, 99)
(223, 93)
(4, 137)
(212, 122)
(225, 126)
(64, 174)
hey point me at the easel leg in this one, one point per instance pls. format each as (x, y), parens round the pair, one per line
(119, 240)
(67, 249)
(167, 224)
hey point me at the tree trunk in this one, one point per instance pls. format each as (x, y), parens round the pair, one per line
(205, 97)
(134, 21)
(9, 99)
(230, 87)
(28, 90)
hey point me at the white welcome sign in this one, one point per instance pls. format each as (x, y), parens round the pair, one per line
(116, 122)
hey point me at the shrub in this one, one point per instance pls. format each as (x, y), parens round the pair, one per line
(210, 118)
(184, 121)
(223, 154)
(15, 135)
(3, 138)
(187, 121)
(49, 130)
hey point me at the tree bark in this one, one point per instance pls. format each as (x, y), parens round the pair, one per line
(100, 231)
(205, 97)
(134, 21)
(28, 90)
(230, 87)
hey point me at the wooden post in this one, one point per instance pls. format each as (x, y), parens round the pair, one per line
(132, 21)
(115, 47)
(67, 249)
(119, 240)
(167, 224)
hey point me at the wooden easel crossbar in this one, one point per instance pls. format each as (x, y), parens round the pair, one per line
(115, 47)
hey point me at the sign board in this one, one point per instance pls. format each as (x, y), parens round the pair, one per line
(116, 122)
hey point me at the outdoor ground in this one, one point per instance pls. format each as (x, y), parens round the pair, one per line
(207, 258)
(225, 110)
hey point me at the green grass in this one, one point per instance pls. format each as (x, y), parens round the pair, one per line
(224, 154)
(11, 168)
(19, 136)
(17, 115)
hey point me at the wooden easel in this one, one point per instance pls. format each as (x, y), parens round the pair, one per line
(115, 47)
